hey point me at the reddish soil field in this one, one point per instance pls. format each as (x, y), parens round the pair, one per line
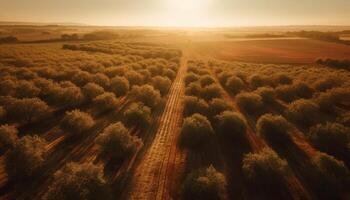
(273, 51)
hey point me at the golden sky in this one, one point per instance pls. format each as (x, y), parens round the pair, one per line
(205, 13)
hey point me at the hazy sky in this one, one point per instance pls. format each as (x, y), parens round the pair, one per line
(179, 12)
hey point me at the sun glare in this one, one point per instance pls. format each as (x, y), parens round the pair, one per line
(188, 5)
(186, 12)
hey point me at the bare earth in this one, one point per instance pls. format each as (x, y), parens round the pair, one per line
(295, 51)
(151, 178)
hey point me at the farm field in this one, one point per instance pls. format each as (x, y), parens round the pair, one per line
(173, 114)
(296, 51)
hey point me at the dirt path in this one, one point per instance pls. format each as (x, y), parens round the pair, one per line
(153, 177)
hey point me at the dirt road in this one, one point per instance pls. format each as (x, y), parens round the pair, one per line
(152, 178)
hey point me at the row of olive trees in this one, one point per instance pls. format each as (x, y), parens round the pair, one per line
(331, 138)
(67, 94)
(144, 51)
(116, 141)
(24, 110)
(266, 166)
(327, 93)
(27, 156)
(74, 181)
(87, 181)
(198, 135)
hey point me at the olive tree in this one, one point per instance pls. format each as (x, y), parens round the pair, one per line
(273, 128)
(257, 81)
(115, 71)
(76, 122)
(147, 95)
(267, 94)
(206, 80)
(71, 95)
(332, 138)
(27, 110)
(138, 114)
(169, 73)
(7, 87)
(193, 69)
(327, 83)
(116, 141)
(65, 94)
(101, 80)
(329, 99)
(194, 105)
(234, 85)
(224, 76)
(193, 89)
(25, 73)
(286, 93)
(92, 90)
(242, 75)
(217, 106)
(44, 85)
(8, 136)
(231, 125)
(302, 90)
(120, 85)
(304, 112)
(161, 83)
(196, 133)
(78, 181)
(146, 75)
(81, 78)
(106, 101)
(190, 78)
(265, 167)
(26, 89)
(249, 102)
(211, 91)
(204, 184)
(3, 113)
(155, 70)
(6, 102)
(333, 171)
(344, 119)
(134, 77)
(27, 156)
(283, 79)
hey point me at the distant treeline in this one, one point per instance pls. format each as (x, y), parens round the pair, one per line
(98, 35)
(8, 39)
(101, 35)
(324, 36)
(263, 35)
(344, 32)
(340, 64)
(317, 35)
(67, 37)
(136, 49)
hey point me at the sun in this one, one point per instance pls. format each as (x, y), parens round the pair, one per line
(186, 12)
(188, 5)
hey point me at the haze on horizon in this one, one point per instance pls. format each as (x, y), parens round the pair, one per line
(204, 13)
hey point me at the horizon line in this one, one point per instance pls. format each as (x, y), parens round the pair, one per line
(33, 23)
